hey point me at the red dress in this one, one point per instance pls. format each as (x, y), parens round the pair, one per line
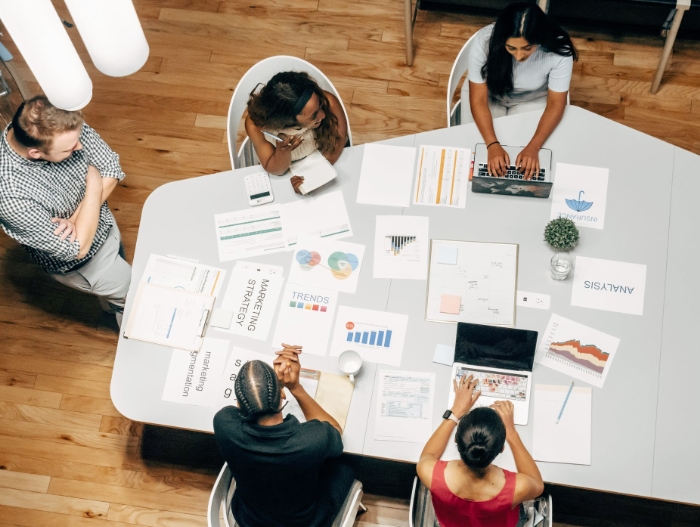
(453, 511)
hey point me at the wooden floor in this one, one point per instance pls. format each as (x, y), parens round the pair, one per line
(67, 456)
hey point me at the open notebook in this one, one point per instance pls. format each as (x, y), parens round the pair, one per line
(316, 171)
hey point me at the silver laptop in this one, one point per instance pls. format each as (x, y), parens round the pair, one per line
(501, 359)
(513, 183)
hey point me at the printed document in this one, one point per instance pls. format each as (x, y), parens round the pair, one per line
(566, 441)
(183, 274)
(249, 232)
(386, 175)
(405, 406)
(580, 194)
(442, 176)
(323, 216)
(401, 245)
(225, 394)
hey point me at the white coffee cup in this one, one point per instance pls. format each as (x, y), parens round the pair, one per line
(350, 363)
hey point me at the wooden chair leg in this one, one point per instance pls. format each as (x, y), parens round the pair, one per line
(408, 20)
(668, 48)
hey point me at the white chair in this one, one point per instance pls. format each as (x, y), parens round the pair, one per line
(262, 72)
(225, 486)
(459, 68)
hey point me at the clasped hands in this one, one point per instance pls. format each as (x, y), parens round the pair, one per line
(527, 162)
(287, 365)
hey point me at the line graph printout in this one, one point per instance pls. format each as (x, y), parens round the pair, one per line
(577, 350)
(401, 247)
(472, 282)
(249, 232)
(442, 176)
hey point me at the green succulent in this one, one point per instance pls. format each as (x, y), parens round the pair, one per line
(561, 234)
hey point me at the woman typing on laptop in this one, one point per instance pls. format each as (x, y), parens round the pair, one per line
(471, 491)
(521, 63)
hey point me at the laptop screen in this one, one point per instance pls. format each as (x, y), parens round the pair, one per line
(495, 347)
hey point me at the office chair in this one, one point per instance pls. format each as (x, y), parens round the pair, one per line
(225, 486)
(459, 68)
(244, 155)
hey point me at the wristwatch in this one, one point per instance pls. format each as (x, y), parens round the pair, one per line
(449, 415)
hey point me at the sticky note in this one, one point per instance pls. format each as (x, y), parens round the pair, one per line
(444, 354)
(450, 304)
(447, 254)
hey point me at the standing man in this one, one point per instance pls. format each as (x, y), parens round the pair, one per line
(56, 174)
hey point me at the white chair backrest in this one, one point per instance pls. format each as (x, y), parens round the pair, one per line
(459, 68)
(261, 73)
(220, 499)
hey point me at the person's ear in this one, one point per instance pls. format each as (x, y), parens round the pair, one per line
(34, 153)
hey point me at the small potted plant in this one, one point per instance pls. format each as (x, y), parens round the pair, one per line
(561, 234)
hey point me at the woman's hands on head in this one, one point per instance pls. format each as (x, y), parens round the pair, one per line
(466, 395)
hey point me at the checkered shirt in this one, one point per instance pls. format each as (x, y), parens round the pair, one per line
(33, 192)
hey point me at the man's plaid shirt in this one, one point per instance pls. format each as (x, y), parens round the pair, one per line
(33, 192)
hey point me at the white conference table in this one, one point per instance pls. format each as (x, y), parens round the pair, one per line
(641, 437)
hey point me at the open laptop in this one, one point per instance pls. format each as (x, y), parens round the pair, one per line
(502, 359)
(513, 183)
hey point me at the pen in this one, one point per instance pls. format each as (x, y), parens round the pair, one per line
(566, 399)
(272, 136)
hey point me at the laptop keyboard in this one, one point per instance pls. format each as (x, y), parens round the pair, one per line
(511, 173)
(498, 385)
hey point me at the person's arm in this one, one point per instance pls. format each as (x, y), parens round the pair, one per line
(86, 222)
(498, 159)
(528, 483)
(287, 367)
(465, 397)
(337, 108)
(528, 161)
(274, 159)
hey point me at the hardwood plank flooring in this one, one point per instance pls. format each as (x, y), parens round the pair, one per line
(67, 458)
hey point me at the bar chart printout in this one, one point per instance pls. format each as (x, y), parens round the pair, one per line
(377, 336)
(401, 247)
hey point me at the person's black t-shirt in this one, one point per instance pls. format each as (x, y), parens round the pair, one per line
(278, 469)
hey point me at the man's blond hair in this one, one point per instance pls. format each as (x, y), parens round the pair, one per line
(37, 122)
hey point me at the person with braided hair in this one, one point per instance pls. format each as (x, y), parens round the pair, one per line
(276, 459)
(471, 491)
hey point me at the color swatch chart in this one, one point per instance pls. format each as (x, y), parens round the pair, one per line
(307, 305)
(372, 338)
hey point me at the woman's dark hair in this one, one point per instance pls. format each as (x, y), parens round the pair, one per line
(526, 20)
(257, 390)
(278, 103)
(480, 437)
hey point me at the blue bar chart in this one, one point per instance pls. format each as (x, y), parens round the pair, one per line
(371, 338)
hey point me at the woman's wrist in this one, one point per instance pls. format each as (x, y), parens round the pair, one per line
(491, 144)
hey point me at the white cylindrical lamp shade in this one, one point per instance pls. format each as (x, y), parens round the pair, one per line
(42, 40)
(112, 34)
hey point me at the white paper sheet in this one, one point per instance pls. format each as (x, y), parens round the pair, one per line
(326, 264)
(316, 171)
(225, 394)
(252, 294)
(401, 245)
(183, 274)
(377, 336)
(580, 194)
(577, 350)
(569, 440)
(483, 279)
(309, 380)
(609, 285)
(249, 232)
(193, 376)
(386, 175)
(444, 354)
(405, 406)
(324, 216)
(442, 176)
(305, 318)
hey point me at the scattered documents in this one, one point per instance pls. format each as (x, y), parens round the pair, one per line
(306, 318)
(401, 246)
(252, 294)
(316, 171)
(324, 216)
(569, 439)
(386, 175)
(184, 274)
(404, 406)
(326, 264)
(225, 394)
(172, 317)
(249, 232)
(377, 336)
(580, 194)
(442, 176)
(193, 376)
(609, 285)
(479, 287)
(577, 350)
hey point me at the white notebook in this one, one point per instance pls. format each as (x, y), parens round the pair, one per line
(316, 171)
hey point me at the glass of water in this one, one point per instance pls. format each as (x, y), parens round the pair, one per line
(561, 265)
